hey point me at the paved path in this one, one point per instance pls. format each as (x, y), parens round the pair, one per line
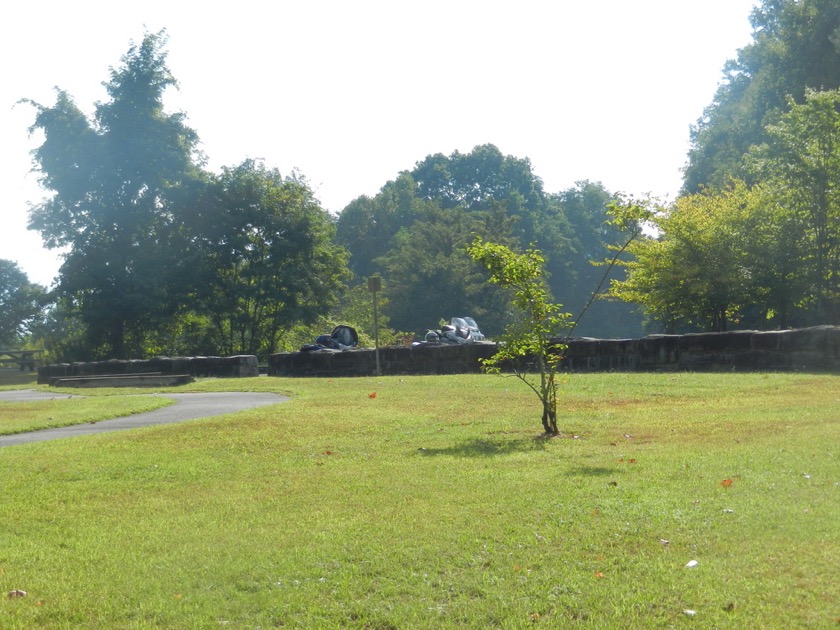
(186, 407)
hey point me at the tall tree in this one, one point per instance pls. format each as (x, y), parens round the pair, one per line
(112, 180)
(367, 226)
(575, 243)
(269, 258)
(430, 277)
(801, 164)
(796, 45)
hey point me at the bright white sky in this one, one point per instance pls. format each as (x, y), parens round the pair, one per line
(352, 93)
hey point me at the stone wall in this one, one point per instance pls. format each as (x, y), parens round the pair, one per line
(236, 366)
(816, 349)
(808, 349)
(424, 359)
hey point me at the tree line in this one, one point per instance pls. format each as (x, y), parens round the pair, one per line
(754, 240)
(162, 256)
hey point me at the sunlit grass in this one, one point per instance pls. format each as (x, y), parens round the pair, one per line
(436, 503)
(19, 417)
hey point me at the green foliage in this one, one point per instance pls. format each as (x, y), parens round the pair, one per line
(112, 206)
(701, 269)
(163, 257)
(267, 258)
(796, 45)
(527, 342)
(354, 308)
(430, 276)
(21, 304)
(415, 230)
(800, 165)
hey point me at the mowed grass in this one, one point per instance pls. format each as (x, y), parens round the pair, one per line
(437, 504)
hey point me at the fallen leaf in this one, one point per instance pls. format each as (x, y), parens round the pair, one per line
(372, 395)
(729, 607)
(631, 461)
(599, 575)
(726, 483)
(327, 452)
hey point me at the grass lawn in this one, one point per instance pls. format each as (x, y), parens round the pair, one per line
(433, 502)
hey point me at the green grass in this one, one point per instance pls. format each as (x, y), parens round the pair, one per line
(20, 417)
(437, 504)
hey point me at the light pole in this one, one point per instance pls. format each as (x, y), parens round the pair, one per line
(375, 284)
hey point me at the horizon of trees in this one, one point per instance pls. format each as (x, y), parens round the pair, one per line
(165, 257)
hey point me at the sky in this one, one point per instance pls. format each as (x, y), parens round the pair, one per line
(349, 94)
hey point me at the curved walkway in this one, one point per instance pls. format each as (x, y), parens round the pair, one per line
(186, 407)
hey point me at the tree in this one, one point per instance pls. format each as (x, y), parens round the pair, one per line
(700, 271)
(526, 346)
(429, 275)
(796, 45)
(21, 304)
(112, 181)
(269, 261)
(582, 235)
(367, 226)
(800, 164)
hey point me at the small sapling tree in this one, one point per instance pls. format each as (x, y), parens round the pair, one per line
(526, 346)
(530, 346)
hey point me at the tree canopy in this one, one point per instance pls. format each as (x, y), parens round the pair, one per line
(21, 304)
(161, 255)
(112, 206)
(796, 46)
(416, 230)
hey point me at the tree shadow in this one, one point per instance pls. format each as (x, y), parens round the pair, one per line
(487, 448)
(591, 471)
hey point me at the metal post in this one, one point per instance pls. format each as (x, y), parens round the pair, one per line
(375, 284)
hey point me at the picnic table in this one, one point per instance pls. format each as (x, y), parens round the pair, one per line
(24, 358)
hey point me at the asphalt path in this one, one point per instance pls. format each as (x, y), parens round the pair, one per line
(186, 407)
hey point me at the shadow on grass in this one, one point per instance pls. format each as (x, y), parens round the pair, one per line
(591, 471)
(487, 448)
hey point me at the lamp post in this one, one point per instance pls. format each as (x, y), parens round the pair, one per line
(374, 285)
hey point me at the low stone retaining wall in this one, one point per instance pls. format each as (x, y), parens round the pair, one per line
(425, 359)
(808, 349)
(236, 366)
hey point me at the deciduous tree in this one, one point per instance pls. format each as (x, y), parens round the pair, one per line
(111, 181)
(526, 347)
(269, 259)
